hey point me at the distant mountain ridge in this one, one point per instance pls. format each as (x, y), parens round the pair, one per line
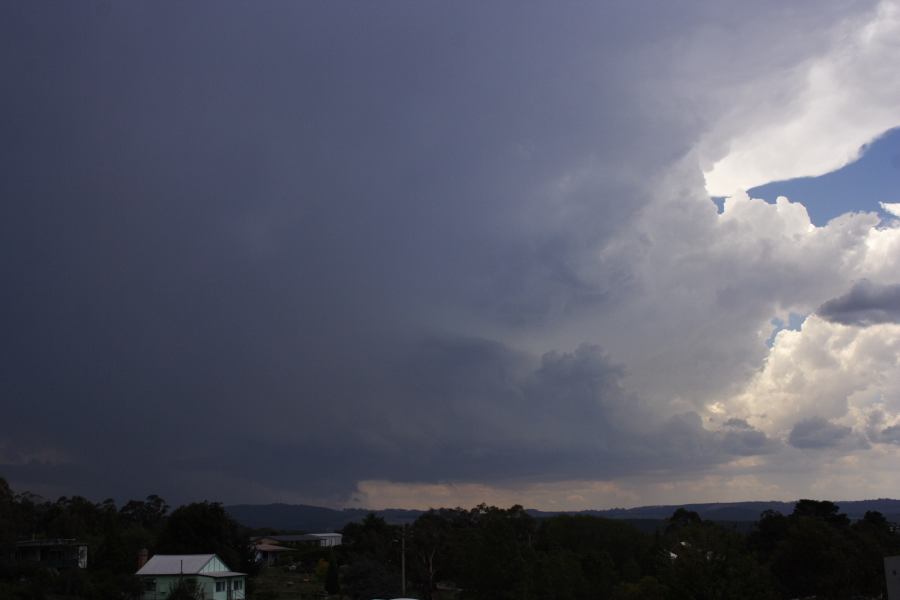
(301, 517)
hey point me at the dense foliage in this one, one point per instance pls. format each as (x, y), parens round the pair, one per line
(485, 553)
(114, 536)
(488, 553)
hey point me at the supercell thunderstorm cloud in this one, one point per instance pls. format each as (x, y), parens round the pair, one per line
(418, 254)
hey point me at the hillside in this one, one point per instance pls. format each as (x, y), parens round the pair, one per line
(300, 517)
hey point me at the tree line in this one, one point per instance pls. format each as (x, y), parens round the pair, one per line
(115, 536)
(483, 553)
(488, 553)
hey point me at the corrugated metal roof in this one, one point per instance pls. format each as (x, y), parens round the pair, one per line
(272, 548)
(173, 564)
(305, 537)
(288, 538)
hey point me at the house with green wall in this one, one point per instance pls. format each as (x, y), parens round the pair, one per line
(215, 581)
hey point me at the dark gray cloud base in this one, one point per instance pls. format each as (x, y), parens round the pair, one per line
(817, 432)
(867, 303)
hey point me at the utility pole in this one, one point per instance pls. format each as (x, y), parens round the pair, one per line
(403, 560)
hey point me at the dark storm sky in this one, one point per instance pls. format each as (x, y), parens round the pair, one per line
(253, 251)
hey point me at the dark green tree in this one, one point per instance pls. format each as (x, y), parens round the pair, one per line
(148, 513)
(429, 543)
(372, 538)
(770, 530)
(681, 518)
(205, 527)
(372, 554)
(819, 554)
(704, 561)
(332, 581)
(9, 524)
(366, 578)
(499, 554)
(820, 509)
(600, 553)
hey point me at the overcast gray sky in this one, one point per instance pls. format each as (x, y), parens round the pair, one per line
(421, 253)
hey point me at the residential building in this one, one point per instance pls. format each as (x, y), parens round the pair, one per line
(268, 553)
(215, 581)
(324, 540)
(55, 553)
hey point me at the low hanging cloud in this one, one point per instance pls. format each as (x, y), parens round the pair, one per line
(474, 410)
(815, 433)
(867, 303)
(742, 439)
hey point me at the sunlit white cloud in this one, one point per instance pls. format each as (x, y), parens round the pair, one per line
(829, 377)
(831, 107)
(891, 207)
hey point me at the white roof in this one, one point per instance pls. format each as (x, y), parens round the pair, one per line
(189, 564)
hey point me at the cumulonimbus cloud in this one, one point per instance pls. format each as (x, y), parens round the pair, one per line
(420, 247)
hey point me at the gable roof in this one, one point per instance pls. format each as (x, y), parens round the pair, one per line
(189, 564)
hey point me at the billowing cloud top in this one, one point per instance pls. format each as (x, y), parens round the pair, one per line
(442, 253)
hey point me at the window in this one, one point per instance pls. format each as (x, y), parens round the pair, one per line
(149, 585)
(220, 586)
(237, 584)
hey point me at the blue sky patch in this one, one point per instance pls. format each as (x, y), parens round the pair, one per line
(794, 323)
(857, 187)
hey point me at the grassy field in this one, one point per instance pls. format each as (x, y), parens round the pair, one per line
(279, 583)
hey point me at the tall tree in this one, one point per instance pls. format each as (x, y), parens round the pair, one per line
(500, 554)
(372, 554)
(704, 561)
(205, 527)
(148, 513)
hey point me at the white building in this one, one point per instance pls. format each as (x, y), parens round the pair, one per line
(327, 540)
(215, 581)
(323, 540)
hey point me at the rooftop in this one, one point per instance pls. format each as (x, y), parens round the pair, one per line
(188, 564)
